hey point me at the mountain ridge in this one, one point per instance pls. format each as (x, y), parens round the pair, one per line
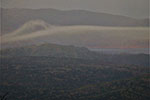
(48, 49)
(14, 18)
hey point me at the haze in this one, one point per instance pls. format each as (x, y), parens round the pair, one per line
(94, 36)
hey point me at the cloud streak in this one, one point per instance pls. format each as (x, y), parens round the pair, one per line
(89, 36)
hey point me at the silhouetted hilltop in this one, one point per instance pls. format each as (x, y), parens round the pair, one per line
(52, 50)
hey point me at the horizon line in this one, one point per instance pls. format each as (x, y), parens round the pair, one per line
(73, 10)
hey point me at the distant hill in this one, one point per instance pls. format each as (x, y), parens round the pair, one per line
(66, 51)
(52, 50)
(14, 18)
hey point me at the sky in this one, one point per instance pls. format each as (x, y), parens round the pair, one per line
(132, 8)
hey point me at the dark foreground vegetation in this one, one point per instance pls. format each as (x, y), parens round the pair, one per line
(58, 78)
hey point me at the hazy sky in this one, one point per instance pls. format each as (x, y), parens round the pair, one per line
(132, 8)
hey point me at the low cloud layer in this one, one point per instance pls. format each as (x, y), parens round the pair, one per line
(88, 36)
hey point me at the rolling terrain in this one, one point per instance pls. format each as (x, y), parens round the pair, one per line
(36, 78)
(49, 54)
